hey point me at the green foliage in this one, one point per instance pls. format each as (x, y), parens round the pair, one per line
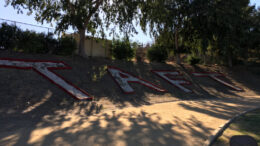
(193, 60)
(78, 14)
(91, 16)
(67, 46)
(122, 50)
(253, 42)
(13, 38)
(166, 18)
(51, 43)
(32, 42)
(157, 53)
(8, 36)
(167, 40)
(224, 30)
(221, 28)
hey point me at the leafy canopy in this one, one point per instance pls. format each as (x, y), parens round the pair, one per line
(91, 15)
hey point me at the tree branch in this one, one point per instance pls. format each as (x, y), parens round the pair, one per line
(92, 11)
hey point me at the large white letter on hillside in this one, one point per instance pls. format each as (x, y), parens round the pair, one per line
(170, 77)
(215, 76)
(123, 79)
(45, 68)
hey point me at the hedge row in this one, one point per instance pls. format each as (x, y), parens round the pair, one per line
(13, 38)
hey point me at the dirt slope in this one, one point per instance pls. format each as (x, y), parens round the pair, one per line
(22, 90)
(28, 101)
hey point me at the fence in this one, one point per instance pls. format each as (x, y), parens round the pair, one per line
(27, 26)
(31, 27)
(100, 50)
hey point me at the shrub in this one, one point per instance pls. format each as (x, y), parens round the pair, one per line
(31, 42)
(193, 60)
(11, 37)
(67, 46)
(50, 42)
(157, 53)
(8, 36)
(122, 50)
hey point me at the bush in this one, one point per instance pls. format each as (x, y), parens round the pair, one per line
(8, 36)
(67, 46)
(157, 53)
(51, 43)
(13, 38)
(193, 60)
(122, 50)
(32, 42)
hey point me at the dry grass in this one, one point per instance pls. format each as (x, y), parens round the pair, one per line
(245, 125)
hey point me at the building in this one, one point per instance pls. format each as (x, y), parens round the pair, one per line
(96, 47)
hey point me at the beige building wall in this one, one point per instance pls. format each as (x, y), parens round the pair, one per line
(96, 47)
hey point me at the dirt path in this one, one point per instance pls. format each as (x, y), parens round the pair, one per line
(172, 123)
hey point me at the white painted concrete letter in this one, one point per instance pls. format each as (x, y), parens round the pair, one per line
(215, 76)
(123, 79)
(169, 76)
(45, 68)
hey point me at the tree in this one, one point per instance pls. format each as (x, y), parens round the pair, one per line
(222, 28)
(166, 17)
(198, 32)
(90, 16)
(232, 23)
(254, 34)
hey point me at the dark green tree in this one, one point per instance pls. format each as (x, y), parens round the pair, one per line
(230, 24)
(166, 17)
(253, 39)
(222, 28)
(90, 16)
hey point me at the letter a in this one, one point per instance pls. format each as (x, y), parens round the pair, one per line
(123, 79)
(215, 76)
(45, 68)
(167, 75)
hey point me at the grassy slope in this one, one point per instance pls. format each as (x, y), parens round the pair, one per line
(245, 125)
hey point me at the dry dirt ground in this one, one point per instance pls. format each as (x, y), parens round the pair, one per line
(33, 111)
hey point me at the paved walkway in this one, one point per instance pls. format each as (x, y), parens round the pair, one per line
(174, 123)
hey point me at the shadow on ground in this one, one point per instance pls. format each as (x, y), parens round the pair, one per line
(25, 87)
(34, 111)
(105, 129)
(190, 124)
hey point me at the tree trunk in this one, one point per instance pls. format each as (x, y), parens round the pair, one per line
(82, 43)
(230, 62)
(205, 58)
(91, 51)
(177, 54)
(230, 56)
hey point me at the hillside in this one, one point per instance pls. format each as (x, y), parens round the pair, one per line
(24, 91)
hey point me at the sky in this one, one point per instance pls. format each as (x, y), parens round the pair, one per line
(10, 14)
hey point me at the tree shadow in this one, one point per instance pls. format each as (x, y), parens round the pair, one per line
(223, 108)
(91, 75)
(123, 128)
(95, 79)
(31, 105)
